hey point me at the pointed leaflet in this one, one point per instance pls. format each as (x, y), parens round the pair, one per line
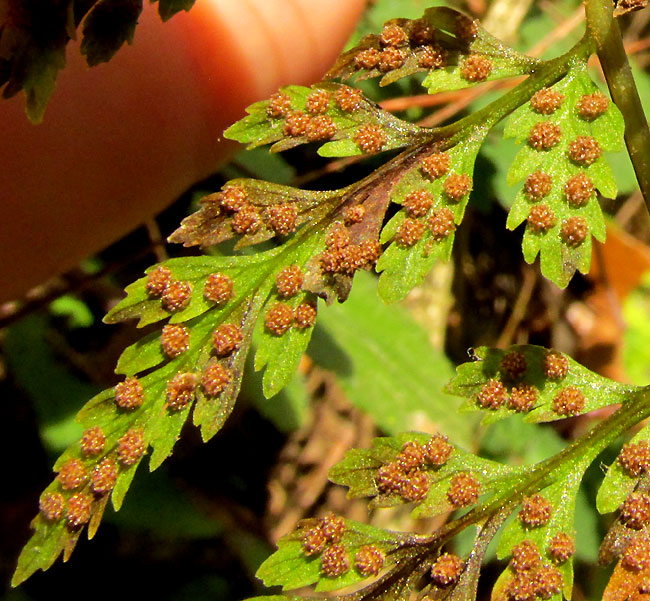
(566, 128)
(434, 194)
(306, 556)
(335, 115)
(450, 46)
(545, 385)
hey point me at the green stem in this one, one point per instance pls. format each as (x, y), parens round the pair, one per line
(603, 28)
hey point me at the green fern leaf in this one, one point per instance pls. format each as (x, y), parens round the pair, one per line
(566, 129)
(543, 385)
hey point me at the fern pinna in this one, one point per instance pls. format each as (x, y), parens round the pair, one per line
(216, 308)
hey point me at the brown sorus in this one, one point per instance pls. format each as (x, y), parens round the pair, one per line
(414, 486)
(369, 560)
(635, 458)
(410, 232)
(93, 441)
(523, 397)
(180, 391)
(432, 57)
(129, 394)
(393, 35)
(592, 106)
(370, 138)
(367, 59)
(355, 214)
(78, 510)
(333, 527)
(436, 165)
(457, 185)
(538, 185)
(157, 281)
(72, 474)
(569, 401)
(334, 561)
(438, 450)
(476, 68)
(548, 582)
(279, 318)
(313, 541)
(52, 505)
(281, 218)
(574, 231)
(535, 511)
(584, 150)
(637, 554)
(233, 198)
(411, 456)
(525, 556)
(369, 251)
(441, 223)
(215, 378)
(131, 447)
(318, 102)
(176, 296)
(418, 202)
(226, 339)
(289, 281)
(546, 101)
(464, 490)
(544, 135)
(541, 218)
(514, 365)
(579, 190)
(246, 221)
(348, 99)
(306, 315)
(635, 511)
(103, 476)
(321, 127)
(421, 32)
(561, 547)
(556, 365)
(279, 105)
(392, 58)
(446, 570)
(390, 478)
(218, 288)
(522, 587)
(174, 339)
(296, 124)
(337, 238)
(466, 28)
(492, 395)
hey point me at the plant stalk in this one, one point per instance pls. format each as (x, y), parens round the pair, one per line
(604, 30)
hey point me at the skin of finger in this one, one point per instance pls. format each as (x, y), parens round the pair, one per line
(122, 140)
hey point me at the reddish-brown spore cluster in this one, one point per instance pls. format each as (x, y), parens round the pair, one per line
(227, 339)
(492, 395)
(546, 101)
(555, 366)
(523, 397)
(367, 59)
(233, 199)
(476, 68)
(180, 391)
(636, 556)
(78, 510)
(542, 582)
(72, 474)
(525, 556)
(544, 135)
(592, 106)
(457, 185)
(436, 165)
(306, 315)
(157, 281)
(369, 560)
(514, 365)
(574, 231)
(348, 99)
(541, 218)
(289, 281)
(279, 105)
(215, 378)
(320, 127)
(569, 401)
(584, 150)
(417, 203)
(392, 58)
(279, 318)
(175, 340)
(354, 214)
(93, 441)
(131, 447)
(296, 124)
(437, 450)
(129, 394)
(176, 296)
(635, 511)
(538, 185)
(370, 138)
(561, 547)
(464, 490)
(218, 288)
(635, 458)
(51, 505)
(246, 221)
(334, 561)
(535, 511)
(104, 476)
(318, 102)
(446, 570)
(344, 257)
(432, 57)
(441, 223)
(410, 232)
(281, 218)
(579, 189)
